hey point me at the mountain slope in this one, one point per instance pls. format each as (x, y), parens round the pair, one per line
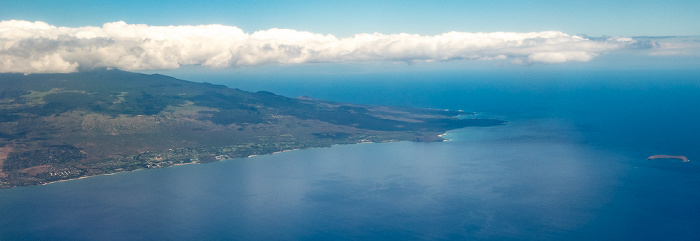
(62, 126)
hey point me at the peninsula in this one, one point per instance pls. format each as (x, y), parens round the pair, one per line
(682, 158)
(57, 127)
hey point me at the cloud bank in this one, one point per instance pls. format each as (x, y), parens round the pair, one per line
(36, 47)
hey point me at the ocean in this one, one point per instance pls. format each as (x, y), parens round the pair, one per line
(570, 164)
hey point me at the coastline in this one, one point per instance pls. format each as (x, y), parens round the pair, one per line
(190, 163)
(176, 157)
(443, 138)
(199, 122)
(185, 156)
(112, 173)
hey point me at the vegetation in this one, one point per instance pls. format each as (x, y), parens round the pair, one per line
(61, 126)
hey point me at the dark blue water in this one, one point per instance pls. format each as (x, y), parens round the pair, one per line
(570, 164)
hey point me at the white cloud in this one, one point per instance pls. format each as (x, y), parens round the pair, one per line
(560, 57)
(675, 46)
(33, 47)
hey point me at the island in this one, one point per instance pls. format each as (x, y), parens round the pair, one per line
(56, 127)
(682, 158)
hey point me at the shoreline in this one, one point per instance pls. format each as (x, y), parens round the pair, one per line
(363, 141)
(443, 139)
(190, 163)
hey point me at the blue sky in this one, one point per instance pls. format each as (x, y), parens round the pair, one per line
(594, 32)
(343, 18)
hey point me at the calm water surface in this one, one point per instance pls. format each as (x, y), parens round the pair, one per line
(570, 164)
